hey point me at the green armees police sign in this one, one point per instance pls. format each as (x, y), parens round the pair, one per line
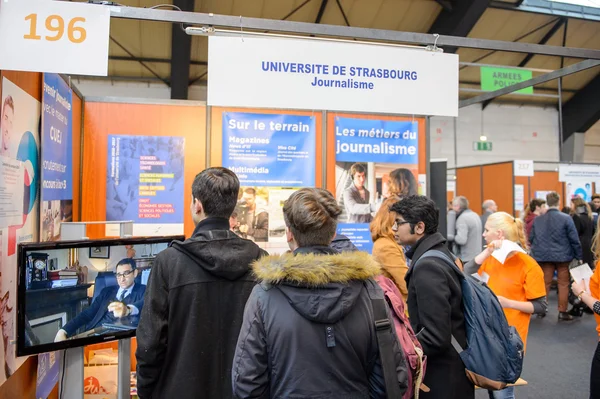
(499, 78)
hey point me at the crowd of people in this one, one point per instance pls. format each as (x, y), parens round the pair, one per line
(223, 319)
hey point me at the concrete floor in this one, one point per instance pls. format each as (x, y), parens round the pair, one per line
(559, 357)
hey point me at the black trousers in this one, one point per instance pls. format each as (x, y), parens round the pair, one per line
(595, 375)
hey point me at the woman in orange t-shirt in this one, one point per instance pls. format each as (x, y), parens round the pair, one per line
(518, 283)
(591, 299)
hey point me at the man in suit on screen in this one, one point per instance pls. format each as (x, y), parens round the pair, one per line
(121, 303)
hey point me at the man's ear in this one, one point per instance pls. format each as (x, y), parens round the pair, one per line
(197, 206)
(420, 228)
(288, 234)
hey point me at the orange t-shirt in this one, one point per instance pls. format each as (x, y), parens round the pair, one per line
(595, 291)
(520, 278)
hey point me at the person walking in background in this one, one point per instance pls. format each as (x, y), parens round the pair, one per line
(386, 250)
(450, 226)
(535, 208)
(435, 304)
(554, 244)
(468, 230)
(195, 300)
(592, 300)
(584, 224)
(308, 328)
(518, 282)
(357, 197)
(489, 207)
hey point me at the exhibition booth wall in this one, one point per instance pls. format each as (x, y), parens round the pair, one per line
(512, 193)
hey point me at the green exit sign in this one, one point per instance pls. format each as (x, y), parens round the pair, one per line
(482, 146)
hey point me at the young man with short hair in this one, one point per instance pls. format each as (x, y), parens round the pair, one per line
(554, 244)
(195, 300)
(434, 298)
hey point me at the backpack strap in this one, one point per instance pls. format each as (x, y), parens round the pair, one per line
(385, 337)
(434, 253)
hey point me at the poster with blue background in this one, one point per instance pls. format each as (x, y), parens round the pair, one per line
(57, 152)
(145, 181)
(270, 149)
(384, 141)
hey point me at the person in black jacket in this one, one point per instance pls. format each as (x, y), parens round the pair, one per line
(584, 224)
(434, 299)
(195, 300)
(554, 244)
(309, 329)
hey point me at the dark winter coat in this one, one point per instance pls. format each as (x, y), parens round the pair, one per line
(309, 331)
(585, 230)
(435, 312)
(193, 313)
(341, 243)
(554, 238)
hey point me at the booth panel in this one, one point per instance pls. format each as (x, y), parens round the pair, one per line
(104, 119)
(546, 181)
(77, 133)
(331, 148)
(30, 82)
(497, 181)
(22, 384)
(468, 184)
(216, 134)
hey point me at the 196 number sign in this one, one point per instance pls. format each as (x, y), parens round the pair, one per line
(55, 26)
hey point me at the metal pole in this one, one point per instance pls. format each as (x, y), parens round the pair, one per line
(560, 122)
(428, 156)
(578, 67)
(455, 144)
(379, 35)
(124, 369)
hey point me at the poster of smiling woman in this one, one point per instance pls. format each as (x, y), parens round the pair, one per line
(19, 161)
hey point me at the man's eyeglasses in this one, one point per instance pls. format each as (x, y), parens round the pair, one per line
(398, 224)
(124, 274)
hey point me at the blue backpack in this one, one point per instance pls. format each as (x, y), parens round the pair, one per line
(494, 354)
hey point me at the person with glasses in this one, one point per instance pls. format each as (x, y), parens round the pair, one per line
(434, 298)
(119, 304)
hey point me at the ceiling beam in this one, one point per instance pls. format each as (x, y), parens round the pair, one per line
(322, 8)
(181, 53)
(559, 73)
(559, 24)
(150, 59)
(446, 4)
(459, 19)
(582, 111)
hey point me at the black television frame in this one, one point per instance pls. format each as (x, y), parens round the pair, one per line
(23, 248)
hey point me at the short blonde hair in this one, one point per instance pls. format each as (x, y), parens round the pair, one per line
(513, 228)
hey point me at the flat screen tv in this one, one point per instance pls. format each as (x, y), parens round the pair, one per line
(75, 293)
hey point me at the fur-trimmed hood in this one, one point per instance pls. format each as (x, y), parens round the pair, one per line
(320, 284)
(312, 269)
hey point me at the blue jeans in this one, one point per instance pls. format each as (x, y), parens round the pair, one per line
(506, 393)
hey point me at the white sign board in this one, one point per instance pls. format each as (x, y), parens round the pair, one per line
(523, 168)
(54, 36)
(519, 198)
(584, 173)
(324, 75)
(11, 192)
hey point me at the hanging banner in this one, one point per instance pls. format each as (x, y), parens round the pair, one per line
(54, 36)
(579, 172)
(493, 78)
(270, 150)
(145, 184)
(57, 157)
(327, 75)
(375, 159)
(19, 128)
